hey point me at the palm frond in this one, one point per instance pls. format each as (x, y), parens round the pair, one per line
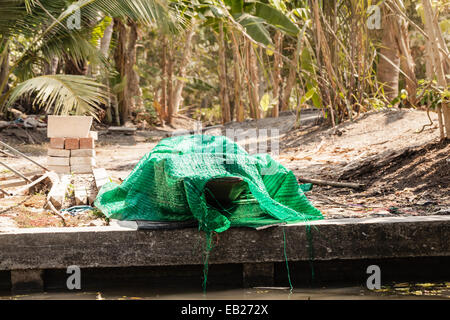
(45, 22)
(62, 94)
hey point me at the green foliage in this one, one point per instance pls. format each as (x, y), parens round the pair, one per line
(431, 96)
(43, 25)
(62, 94)
(209, 115)
(273, 17)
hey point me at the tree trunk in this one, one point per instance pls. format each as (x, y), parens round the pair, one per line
(389, 61)
(125, 59)
(163, 102)
(224, 98)
(135, 93)
(408, 66)
(434, 34)
(254, 82)
(292, 76)
(180, 82)
(120, 58)
(106, 39)
(4, 70)
(170, 85)
(277, 66)
(104, 49)
(238, 105)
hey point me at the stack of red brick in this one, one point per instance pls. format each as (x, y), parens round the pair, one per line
(71, 155)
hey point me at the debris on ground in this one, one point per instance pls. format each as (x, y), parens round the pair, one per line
(404, 171)
(60, 188)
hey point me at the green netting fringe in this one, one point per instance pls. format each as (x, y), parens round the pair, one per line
(170, 184)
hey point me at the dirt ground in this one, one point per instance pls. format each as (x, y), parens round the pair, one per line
(403, 172)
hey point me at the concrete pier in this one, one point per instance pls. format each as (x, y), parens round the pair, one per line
(122, 245)
(30, 280)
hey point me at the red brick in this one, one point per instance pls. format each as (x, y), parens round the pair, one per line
(72, 143)
(57, 143)
(86, 143)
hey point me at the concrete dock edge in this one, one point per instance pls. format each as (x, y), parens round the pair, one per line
(124, 246)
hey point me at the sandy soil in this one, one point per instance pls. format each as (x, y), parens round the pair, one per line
(404, 172)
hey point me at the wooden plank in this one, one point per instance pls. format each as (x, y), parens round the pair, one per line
(15, 183)
(26, 174)
(121, 129)
(3, 192)
(26, 189)
(15, 171)
(22, 155)
(332, 183)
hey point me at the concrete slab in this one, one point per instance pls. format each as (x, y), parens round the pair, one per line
(58, 161)
(58, 191)
(80, 193)
(68, 126)
(83, 168)
(124, 246)
(101, 177)
(59, 169)
(83, 153)
(58, 153)
(81, 161)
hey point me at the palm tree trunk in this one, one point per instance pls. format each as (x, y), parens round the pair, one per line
(120, 59)
(170, 84)
(239, 106)
(104, 49)
(4, 70)
(106, 39)
(434, 35)
(254, 81)
(292, 76)
(224, 98)
(277, 66)
(179, 84)
(135, 93)
(406, 60)
(389, 61)
(163, 102)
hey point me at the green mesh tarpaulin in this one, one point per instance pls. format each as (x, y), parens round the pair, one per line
(173, 183)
